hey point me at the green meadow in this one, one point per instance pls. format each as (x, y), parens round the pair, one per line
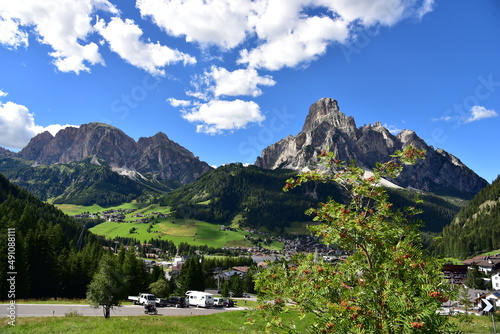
(72, 209)
(176, 230)
(226, 322)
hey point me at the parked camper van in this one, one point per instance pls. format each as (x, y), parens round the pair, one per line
(200, 299)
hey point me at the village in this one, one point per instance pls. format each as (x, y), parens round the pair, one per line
(472, 301)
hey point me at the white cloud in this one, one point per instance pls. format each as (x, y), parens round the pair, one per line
(476, 113)
(480, 112)
(238, 82)
(289, 37)
(307, 40)
(178, 103)
(10, 35)
(216, 22)
(2, 93)
(443, 118)
(124, 39)
(62, 24)
(288, 32)
(427, 7)
(218, 116)
(18, 126)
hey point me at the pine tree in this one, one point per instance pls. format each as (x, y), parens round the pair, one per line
(236, 285)
(192, 276)
(135, 274)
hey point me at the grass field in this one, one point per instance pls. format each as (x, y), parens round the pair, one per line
(72, 209)
(177, 230)
(227, 322)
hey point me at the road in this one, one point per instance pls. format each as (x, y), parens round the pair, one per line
(57, 310)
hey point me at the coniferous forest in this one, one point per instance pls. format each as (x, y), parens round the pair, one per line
(256, 197)
(53, 257)
(476, 228)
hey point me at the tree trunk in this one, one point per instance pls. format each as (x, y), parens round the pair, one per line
(106, 311)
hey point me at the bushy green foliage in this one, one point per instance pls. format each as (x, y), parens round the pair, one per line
(476, 228)
(386, 285)
(107, 287)
(160, 288)
(474, 278)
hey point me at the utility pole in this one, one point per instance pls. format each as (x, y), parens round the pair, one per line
(493, 316)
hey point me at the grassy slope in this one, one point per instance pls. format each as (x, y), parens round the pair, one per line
(227, 322)
(72, 209)
(177, 230)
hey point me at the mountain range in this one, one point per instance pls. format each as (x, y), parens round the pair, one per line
(157, 155)
(327, 128)
(97, 163)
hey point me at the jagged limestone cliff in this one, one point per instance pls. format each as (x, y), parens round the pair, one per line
(156, 155)
(327, 127)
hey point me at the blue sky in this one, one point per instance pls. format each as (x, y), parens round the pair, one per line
(227, 78)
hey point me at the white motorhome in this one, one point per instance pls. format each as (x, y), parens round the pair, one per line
(200, 299)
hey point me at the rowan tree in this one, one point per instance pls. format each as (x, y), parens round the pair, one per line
(385, 285)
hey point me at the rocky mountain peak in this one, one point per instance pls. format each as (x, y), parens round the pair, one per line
(4, 153)
(156, 155)
(326, 110)
(36, 144)
(158, 139)
(326, 127)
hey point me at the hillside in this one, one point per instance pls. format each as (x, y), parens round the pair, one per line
(253, 197)
(87, 182)
(476, 228)
(53, 257)
(250, 196)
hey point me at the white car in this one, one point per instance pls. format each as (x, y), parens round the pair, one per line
(219, 302)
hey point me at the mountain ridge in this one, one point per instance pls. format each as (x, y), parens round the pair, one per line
(253, 197)
(156, 155)
(475, 229)
(326, 127)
